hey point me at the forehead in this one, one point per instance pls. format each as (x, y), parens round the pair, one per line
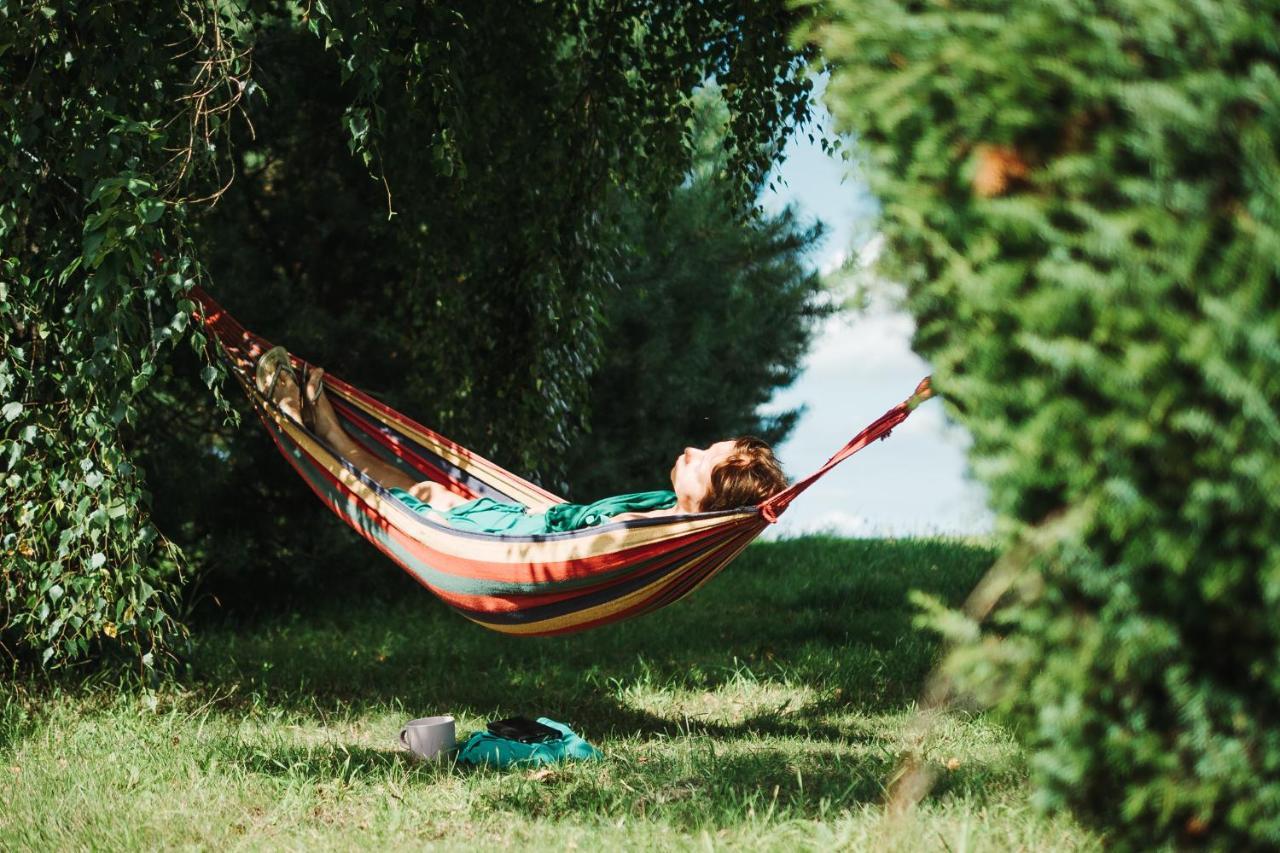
(722, 449)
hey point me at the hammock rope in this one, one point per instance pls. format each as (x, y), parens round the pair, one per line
(880, 428)
(525, 585)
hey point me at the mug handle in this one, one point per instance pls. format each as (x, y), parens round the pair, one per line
(404, 742)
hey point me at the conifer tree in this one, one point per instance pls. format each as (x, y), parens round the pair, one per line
(714, 308)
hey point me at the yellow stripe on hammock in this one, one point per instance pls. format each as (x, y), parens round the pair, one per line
(606, 609)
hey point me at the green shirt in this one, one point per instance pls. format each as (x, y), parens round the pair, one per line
(485, 515)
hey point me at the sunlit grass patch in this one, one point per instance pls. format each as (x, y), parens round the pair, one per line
(741, 698)
(720, 729)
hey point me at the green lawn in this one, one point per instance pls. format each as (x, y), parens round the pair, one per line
(766, 712)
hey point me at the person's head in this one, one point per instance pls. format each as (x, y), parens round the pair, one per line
(729, 474)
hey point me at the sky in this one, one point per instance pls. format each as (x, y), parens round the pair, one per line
(860, 365)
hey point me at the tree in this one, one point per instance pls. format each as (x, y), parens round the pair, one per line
(491, 131)
(1080, 198)
(714, 310)
(112, 117)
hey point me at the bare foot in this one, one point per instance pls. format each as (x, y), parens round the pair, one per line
(286, 394)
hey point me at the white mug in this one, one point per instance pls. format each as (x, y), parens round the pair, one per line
(428, 737)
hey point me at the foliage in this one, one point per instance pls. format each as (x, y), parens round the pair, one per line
(475, 308)
(499, 135)
(493, 131)
(1081, 200)
(111, 116)
(714, 309)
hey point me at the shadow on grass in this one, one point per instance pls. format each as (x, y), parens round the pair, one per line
(827, 615)
(783, 668)
(709, 785)
(717, 791)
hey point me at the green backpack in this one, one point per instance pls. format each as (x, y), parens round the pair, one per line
(487, 748)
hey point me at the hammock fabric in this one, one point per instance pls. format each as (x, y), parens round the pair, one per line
(529, 585)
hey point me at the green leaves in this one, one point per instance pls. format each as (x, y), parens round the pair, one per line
(150, 210)
(498, 132)
(1082, 211)
(92, 223)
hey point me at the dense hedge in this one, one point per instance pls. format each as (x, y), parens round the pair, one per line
(1082, 199)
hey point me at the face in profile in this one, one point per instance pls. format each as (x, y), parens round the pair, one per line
(691, 474)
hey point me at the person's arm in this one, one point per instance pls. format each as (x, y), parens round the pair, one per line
(630, 516)
(433, 493)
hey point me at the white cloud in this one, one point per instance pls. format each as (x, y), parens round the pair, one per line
(831, 262)
(863, 342)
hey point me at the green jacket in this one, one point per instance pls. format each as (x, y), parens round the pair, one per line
(485, 515)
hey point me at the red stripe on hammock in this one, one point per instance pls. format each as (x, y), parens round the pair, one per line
(655, 601)
(518, 602)
(414, 460)
(473, 459)
(499, 603)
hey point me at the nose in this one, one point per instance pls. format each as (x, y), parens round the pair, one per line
(689, 452)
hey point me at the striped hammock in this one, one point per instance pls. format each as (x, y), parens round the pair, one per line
(530, 585)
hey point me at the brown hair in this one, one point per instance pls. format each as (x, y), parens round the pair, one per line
(750, 475)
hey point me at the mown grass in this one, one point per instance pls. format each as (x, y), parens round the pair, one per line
(766, 712)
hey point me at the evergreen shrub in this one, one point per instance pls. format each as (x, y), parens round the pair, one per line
(1082, 201)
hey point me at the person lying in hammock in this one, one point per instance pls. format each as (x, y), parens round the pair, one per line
(729, 474)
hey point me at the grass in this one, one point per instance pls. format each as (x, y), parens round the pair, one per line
(767, 712)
